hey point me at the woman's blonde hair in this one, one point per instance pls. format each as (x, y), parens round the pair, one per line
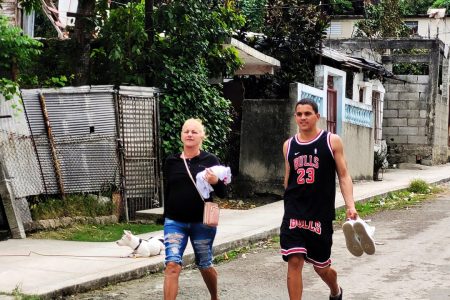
(199, 122)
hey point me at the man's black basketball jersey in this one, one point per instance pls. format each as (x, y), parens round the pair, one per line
(311, 188)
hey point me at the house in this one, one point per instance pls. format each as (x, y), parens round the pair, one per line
(436, 24)
(416, 123)
(350, 104)
(17, 16)
(57, 17)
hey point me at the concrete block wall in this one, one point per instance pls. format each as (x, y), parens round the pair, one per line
(441, 132)
(414, 122)
(406, 119)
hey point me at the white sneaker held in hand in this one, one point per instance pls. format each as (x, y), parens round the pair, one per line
(351, 239)
(365, 234)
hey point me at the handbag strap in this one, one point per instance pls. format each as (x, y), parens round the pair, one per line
(190, 175)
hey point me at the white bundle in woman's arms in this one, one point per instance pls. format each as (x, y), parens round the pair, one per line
(222, 172)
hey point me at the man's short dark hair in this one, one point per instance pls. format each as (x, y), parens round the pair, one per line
(307, 101)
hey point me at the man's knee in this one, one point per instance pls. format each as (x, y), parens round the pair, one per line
(323, 271)
(296, 261)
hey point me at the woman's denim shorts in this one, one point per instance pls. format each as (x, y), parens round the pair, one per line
(176, 236)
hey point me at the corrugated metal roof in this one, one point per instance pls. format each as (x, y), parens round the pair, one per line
(355, 62)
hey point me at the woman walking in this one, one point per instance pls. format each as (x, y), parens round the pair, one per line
(183, 210)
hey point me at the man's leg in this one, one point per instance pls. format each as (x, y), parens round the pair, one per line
(329, 276)
(294, 276)
(210, 277)
(171, 275)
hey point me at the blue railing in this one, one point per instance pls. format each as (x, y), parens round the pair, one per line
(317, 99)
(358, 115)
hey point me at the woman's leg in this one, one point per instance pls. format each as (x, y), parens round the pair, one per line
(175, 239)
(202, 238)
(171, 275)
(210, 277)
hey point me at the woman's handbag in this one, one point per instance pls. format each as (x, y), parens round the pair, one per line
(211, 210)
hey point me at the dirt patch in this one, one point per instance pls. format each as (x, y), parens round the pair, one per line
(248, 203)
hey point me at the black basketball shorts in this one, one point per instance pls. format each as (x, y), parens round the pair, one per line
(313, 239)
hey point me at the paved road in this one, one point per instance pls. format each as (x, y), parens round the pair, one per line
(412, 262)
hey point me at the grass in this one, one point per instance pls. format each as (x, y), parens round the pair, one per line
(95, 233)
(18, 295)
(71, 206)
(417, 191)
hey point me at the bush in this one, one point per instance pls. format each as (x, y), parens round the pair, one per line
(419, 186)
(72, 206)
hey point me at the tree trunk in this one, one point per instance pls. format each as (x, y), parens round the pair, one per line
(150, 30)
(14, 70)
(83, 31)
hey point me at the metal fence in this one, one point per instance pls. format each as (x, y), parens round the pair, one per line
(86, 139)
(140, 158)
(75, 137)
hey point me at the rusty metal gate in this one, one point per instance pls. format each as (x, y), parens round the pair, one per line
(138, 131)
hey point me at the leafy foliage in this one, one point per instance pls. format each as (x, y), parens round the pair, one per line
(54, 68)
(120, 47)
(292, 33)
(415, 7)
(188, 54)
(254, 12)
(441, 4)
(17, 52)
(186, 51)
(411, 68)
(341, 6)
(382, 20)
(419, 186)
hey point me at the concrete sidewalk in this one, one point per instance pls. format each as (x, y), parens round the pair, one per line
(50, 268)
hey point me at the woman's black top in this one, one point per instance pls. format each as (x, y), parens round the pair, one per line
(181, 199)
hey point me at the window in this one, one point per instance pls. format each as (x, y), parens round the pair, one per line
(413, 26)
(334, 29)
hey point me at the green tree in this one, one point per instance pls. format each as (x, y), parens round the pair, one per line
(415, 7)
(121, 48)
(190, 52)
(382, 20)
(254, 12)
(90, 15)
(186, 51)
(17, 52)
(441, 4)
(293, 32)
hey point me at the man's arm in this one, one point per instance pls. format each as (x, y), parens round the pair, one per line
(345, 181)
(286, 164)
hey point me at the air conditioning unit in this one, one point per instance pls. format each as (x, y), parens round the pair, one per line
(437, 13)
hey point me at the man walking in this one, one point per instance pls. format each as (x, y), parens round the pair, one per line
(312, 159)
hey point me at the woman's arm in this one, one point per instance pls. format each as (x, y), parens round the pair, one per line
(218, 185)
